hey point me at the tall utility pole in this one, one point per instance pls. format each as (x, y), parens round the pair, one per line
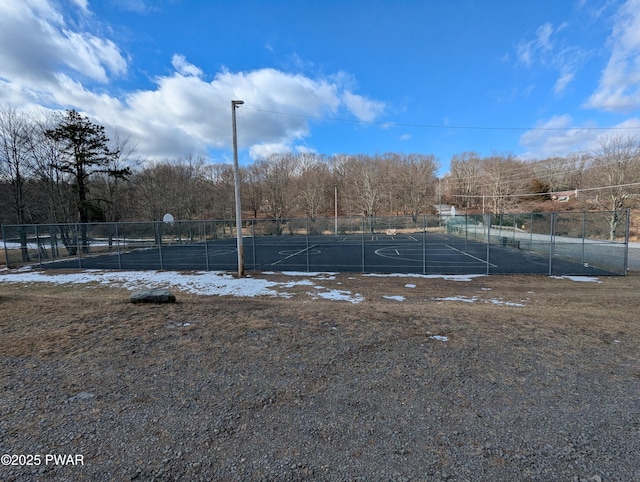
(236, 176)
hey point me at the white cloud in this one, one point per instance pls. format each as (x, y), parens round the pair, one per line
(35, 43)
(544, 141)
(556, 137)
(47, 61)
(83, 4)
(183, 67)
(528, 51)
(619, 86)
(263, 151)
(137, 6)
(564, 80)
(551, 52)
(185, 113)
(363, 108)
(543, 36)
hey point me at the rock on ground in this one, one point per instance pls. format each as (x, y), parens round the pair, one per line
(153, 296)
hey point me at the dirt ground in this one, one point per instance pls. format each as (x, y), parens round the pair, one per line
(499, 377)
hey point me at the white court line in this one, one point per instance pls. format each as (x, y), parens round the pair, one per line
(294, 254)
(471, 256)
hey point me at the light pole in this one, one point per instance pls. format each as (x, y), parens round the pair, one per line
(236, 176)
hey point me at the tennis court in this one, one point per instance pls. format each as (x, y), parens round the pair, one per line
(378, 253)
(463, 245)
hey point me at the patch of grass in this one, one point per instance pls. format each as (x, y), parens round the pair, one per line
(41, 319)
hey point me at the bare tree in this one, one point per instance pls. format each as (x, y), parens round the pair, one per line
(187, 192)
(551, 173)
(178, 186)
(253, 188)
(109, 189)
(369, 184)
(417, 175)
(616, 169)
(312, 186)
(220, 190)
(53, 191)
(465, 183)
(504, 177)
(575, 170)
(341, 167)
(17, 134)
(278, 173)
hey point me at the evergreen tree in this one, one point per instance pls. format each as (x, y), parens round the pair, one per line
(85, 151)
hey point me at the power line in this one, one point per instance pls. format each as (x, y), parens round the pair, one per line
(501, 196)
(440, 126)
(528, 171)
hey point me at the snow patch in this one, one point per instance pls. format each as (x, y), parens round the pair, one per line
(458, 298)
(505, 303)
(396, 298)
(463, 277)
(211, 283)
(318, 275)
(337, 295)
(475, 299)
(580, 279)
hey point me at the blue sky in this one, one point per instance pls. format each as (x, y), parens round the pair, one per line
(535, 79)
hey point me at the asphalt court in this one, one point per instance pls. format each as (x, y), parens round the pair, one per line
(430, 253)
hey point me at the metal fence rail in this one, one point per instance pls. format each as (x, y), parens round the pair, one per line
(538, 243)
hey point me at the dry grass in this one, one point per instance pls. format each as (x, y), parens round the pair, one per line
(302, 389)
(40, 319)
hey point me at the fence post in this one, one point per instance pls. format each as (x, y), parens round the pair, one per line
(363, 263)
(551, 241)
(306, 237)
(424, 244)
(206, 245)
(487, 220)
(78, 248)
(584, 233)
(38, 246)
(253, 241)
(118, 247)
(6, 251)
(531, 234)
(159, 238)
(53, 241)
(466, 230)
(626, 242)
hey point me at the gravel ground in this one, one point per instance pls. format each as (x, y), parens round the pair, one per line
(286, 390)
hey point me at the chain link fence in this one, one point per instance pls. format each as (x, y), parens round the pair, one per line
(528, 243)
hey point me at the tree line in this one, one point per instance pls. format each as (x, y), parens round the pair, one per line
(65, 169)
